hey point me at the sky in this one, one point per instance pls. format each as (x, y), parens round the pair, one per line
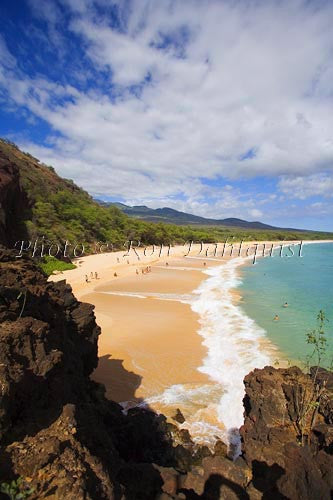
(214, 107)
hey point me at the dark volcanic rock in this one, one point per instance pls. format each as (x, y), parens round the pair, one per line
(57, 430)
(271, 441)
(179, 417)
(67, 441)
(218, 477)
(48, 346)
(269, 414)
(306, 476)
(14, 204)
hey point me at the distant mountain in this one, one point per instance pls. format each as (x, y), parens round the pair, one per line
(35, 202)
(171, 216)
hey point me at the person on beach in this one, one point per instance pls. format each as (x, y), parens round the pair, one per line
(276, 317)
(167, 263)
(204, 263)
(118, 260)
(87, 280)
(142, 271)
(96, 275)
(91, 275)
(115, 275)
(137, 271)
(128, 262)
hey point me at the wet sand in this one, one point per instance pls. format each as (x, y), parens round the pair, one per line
(164, 280)
(149, 340)
(153, 334)
(154, 339)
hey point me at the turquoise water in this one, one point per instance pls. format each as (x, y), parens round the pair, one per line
(305, 283)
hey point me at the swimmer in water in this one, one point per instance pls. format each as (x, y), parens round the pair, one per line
(285, 304)
(276, 317)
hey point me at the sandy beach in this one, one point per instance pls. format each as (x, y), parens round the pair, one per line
(149, 347)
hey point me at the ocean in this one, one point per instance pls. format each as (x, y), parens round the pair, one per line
(241, 336)
(305, 283)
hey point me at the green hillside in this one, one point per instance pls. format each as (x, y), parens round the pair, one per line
(57, 209)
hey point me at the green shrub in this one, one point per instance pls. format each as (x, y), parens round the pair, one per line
(51, 264)
(17, 489)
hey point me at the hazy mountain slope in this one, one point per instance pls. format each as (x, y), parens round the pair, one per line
(171, 216)
(36, 202)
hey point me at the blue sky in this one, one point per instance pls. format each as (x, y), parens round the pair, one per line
(218, 108)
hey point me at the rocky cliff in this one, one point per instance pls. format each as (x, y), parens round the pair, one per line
(62, 439)
(281, 467)
(14, 204)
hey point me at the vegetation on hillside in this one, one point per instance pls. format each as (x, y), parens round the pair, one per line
(59, 210)
(172, 216)
(51, 264)
(319, 363)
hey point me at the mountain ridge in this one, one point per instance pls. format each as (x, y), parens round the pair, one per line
(37, 203)
(172, 216)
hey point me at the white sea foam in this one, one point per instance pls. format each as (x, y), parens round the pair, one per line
(203, 257)
(186, 395)
(233, 341)
(199, 402)
(234, 345)
(178, 268)
(126, 294)
(185, 298)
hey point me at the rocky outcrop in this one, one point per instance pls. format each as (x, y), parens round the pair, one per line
(14, 206)
(282, 466)
(58, 432)
(48, 349)
(65, 440)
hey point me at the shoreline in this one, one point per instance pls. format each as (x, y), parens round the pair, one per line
(180, 350)
(154, 347)
(235, 343)
(110, 262)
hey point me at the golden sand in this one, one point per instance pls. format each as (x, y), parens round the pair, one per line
(153, 342)
(159, 280)
(154, 338)
(147, 344)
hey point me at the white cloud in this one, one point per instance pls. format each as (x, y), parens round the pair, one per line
(256, 213)
(306, 187)
(7, 60)
(241, 77)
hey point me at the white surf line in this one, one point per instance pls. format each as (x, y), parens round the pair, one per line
(179, 268)
(183, 298)
(216, 259)
(125, 294)
(232, 340)
(195, 400)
